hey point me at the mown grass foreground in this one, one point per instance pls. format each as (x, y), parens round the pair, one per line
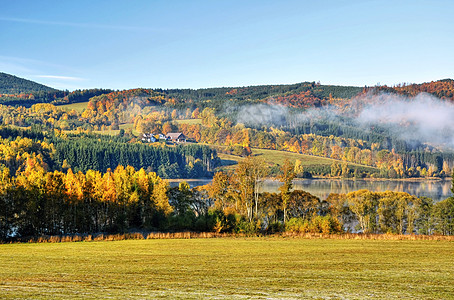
(229, 268)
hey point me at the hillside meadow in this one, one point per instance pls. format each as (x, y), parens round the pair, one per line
(277, 157)
(79, 106)
(256, 268)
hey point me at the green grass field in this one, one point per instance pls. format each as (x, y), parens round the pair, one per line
(189, 121)
(278, 157)
(255, 268)
(117, 131)
(79, 107)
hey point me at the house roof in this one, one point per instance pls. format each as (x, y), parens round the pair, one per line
(175, 135)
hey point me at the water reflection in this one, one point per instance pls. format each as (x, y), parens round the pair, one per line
(435, 189)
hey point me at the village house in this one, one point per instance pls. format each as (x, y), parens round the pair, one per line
(176, 137)
(161, 136)
(148, 138)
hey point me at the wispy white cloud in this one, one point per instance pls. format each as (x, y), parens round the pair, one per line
(69, 78)
(81, 25)
(29, 62)
(32, 68)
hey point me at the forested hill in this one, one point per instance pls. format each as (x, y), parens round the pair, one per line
(305, 94)
(299, 95)
(19, 91)
(443, 89)
(10, 84)
(263, 91)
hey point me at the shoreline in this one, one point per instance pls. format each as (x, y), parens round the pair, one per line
(413, 179)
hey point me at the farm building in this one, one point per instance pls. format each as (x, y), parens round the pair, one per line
(160, 136)
(176, 137)
(148, 138)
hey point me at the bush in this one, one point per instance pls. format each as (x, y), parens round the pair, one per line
(325, 225)
(275, 227)
(297, 225)
(221, 222)
(244, 226)
(318, 224)
(185, 221)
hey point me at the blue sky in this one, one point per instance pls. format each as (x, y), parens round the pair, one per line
(193, 44)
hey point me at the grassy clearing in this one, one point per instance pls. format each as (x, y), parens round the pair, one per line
(229, 268)
(189, 121)
(79, 107)
(228, 161)
(278, 157)
(117, 131)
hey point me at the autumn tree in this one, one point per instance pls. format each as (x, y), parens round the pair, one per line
(302, 204)
(195, 113)
(180, 198)
(338, 208)
(286, 177)
(299, 169)
(248, 175)
(443, 216)
(160, 197)
(6, 204)
(218, 190)
(363, 204)
(174, 114)
(452, 182)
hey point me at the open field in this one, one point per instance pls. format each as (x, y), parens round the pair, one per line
(117, 131)
(79, 107)
(272, 268)
(111, 131)
(278, 157)
(189, 121)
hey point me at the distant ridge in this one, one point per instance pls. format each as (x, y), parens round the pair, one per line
(14, 91)
(10, 84)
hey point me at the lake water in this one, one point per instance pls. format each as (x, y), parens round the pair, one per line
(435, 189)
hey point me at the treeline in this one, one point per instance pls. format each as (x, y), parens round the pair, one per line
(83, 152)
(55, 97)
(81, 95)
(346, 129)
(29, 99)
(301, 95)
(393, 212)
(188, 161)
(443, 89)
(119, 107)
(299, 211)
(305, 94)
(35, 203)
(20, 91)
(49, 117)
